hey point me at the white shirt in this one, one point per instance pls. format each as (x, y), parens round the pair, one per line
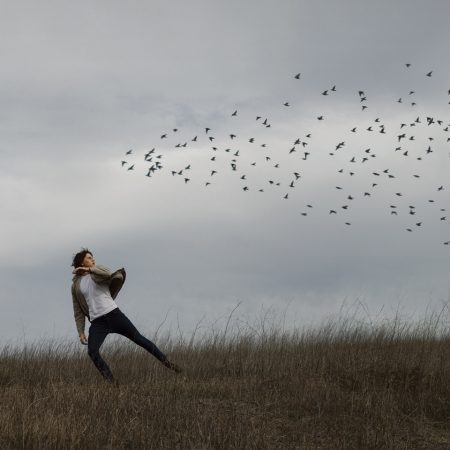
(97, 296)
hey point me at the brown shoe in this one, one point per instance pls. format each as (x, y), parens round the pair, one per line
(172, 366)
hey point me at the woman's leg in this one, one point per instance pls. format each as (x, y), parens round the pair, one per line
(97, 334)
(119, 323)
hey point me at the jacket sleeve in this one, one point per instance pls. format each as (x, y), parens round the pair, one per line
(101, 274)
(80, 319)
(114, 280)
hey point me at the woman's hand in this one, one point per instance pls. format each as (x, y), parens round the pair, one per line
(81, 270)
(83, 339)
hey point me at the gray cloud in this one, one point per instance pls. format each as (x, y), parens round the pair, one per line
(81, 84)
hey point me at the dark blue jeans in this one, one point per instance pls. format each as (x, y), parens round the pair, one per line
(116, 322)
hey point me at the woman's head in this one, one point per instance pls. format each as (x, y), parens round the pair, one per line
(83, 258)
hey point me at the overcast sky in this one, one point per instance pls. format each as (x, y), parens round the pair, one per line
(81, 84)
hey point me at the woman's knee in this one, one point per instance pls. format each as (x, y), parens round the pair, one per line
(93, 352)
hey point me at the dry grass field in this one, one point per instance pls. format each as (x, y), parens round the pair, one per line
(341, 386)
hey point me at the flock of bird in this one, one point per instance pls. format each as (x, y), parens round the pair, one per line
(301, 148)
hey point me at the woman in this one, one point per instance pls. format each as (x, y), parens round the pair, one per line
(94, 289)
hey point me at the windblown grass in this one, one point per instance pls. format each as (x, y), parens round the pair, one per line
(344, 385)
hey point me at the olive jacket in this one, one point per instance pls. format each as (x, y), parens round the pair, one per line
(100, 275)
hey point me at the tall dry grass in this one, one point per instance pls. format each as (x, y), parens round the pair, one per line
(344, 385)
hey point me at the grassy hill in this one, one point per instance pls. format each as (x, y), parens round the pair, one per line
(341, 386)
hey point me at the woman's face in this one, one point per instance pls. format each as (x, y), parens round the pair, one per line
(88, 261)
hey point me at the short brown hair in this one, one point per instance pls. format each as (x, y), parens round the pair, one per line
(79, 257)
